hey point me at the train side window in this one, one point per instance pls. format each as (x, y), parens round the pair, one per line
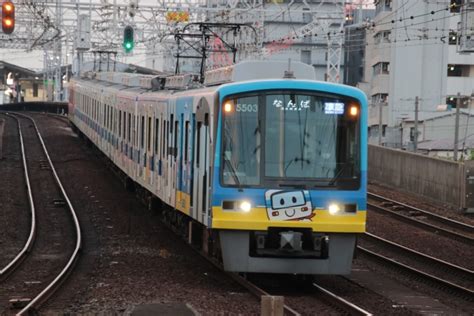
(157, 129)
(186, 132)
(198, 143)
(120, 124)
(124, 121)
(168, 123)
(149, 134)
(134, 130)
(175, 144)
(163, 139)
(142, 132)
(129, 125)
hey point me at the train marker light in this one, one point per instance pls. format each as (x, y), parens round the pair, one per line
(8, 17)
(245, 206)
(354, 110)
(228, 107)
(334, 208)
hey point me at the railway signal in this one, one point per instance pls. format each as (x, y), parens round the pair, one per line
(8, 17)
(128, 41)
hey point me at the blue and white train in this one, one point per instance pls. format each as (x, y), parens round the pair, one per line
(269, 165)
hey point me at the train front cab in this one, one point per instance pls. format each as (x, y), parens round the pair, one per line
(289, 180)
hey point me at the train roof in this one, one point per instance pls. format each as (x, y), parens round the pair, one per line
(243, 71)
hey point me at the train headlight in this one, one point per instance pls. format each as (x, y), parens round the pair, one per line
(334, 208)
(245, 206)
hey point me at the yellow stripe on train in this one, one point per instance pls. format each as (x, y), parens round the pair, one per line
(257, 219)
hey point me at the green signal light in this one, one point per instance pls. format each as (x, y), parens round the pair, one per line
(128, 39)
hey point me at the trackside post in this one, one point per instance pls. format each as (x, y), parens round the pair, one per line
(272, 305)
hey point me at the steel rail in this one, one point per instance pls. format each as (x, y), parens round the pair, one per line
(252, 288)
(31, 238)
(338, 301)
(440, 230)
(443, 219)
(451, 286)
(54, 285)
(446, 265)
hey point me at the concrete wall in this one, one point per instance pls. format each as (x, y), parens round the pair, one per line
(434, 178)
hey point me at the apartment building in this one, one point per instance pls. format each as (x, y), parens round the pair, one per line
(412, 50)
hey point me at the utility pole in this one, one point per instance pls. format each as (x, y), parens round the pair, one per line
(415, 141)
(380, 123)
(456, 127)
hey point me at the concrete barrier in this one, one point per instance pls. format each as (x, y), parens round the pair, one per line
(437, 179)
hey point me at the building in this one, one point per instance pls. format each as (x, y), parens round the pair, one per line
(437, 129)
(412, 51)
(354, 52)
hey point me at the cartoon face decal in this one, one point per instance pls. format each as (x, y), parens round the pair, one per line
(288, 205)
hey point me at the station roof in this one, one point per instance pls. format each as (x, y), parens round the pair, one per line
(24, 72)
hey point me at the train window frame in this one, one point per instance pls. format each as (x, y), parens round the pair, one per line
(264, 180)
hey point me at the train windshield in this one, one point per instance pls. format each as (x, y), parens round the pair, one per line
(291, 139)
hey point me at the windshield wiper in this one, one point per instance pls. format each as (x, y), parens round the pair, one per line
(296, 159)
(232, 169)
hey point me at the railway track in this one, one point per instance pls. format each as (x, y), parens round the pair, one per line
(10, 266)
(442, 274)
(336, 301)
(32, 276)
(427, 220)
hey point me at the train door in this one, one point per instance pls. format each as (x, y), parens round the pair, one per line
(185, 169)
(201, 163)
(174, 128)
(169, 155)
